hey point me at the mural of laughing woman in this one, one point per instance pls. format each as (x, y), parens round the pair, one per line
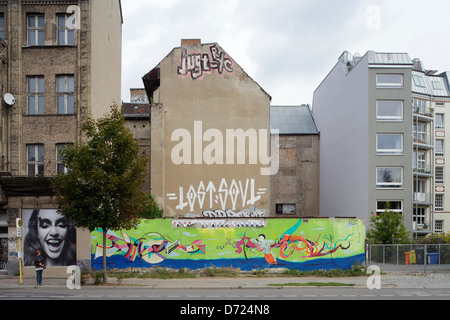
(53, 234)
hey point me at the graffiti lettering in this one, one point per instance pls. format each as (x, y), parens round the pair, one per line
(246, 213)
(200, 63)
(245, 191)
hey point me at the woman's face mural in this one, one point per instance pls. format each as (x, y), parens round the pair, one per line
(52, 231)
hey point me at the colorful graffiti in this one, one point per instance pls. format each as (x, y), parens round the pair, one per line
(289, 243)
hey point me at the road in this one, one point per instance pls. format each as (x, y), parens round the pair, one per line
(266, 295)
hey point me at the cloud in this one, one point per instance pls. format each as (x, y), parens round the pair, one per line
(287, 46)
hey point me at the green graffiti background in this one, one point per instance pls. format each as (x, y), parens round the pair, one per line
(282, 242)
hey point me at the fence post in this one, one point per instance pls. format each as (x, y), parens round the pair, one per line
(425, 259)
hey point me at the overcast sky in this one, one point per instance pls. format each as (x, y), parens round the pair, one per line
(286, 46)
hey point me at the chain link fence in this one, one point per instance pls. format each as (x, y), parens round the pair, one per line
(411, 257)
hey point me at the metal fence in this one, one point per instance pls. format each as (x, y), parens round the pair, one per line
(418, 257)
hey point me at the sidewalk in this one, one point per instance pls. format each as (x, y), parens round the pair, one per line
(388, 279)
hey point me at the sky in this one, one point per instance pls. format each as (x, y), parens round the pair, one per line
(286, 46)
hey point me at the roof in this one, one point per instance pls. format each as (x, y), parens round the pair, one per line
(389, 58)
(133, 110)
(293, 120)
(436, 86)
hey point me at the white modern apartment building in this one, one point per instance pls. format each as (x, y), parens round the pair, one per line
(382, 122)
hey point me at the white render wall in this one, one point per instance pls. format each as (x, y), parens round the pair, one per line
(342, 115)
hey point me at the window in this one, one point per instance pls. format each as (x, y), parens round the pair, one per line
(35, 159)
(285, 208)
(420, 133)
(391, 205)
(59, 164)
(389, 144)
(65, 94)
(35, 95)
(439, 202)
(439, 175)
(2, 26)
(420, 106)
(65, 34)
(419, 216)
(439, 148)
(389, 178)
(390, 110)
(437, 85)
(35, 28)
(439, 121)
(418, 80)
(420, 161)
(389, 81)
(439, 226)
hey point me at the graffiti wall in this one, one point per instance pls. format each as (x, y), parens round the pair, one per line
(248, 244)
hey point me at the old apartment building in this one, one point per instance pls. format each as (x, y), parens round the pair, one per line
(60, 62)
(382, 121)
(210, 135)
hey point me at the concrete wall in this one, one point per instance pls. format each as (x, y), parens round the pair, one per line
(247, 244)
(341, 111)
(297, 180)
(106, 55)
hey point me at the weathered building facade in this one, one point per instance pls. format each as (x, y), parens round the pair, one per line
(294, 190)
(64, 64)
(210, 135)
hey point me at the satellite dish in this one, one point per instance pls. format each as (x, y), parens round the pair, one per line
(9, 99)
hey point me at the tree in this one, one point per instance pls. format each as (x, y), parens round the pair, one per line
(150, 209)
(387, 228)
(102, 188)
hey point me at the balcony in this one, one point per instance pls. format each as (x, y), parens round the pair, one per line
(423, 170)
(422, 198)
(423, 141)
(424, 113)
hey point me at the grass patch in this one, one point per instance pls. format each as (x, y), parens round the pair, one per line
(313, 284)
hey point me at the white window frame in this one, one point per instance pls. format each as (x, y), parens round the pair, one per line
(387, 84)
(439, 148)
(35, 33)
(390, 152)
(389, 184)
(439, 226)
(66, 93)
(439, 175)
(36, 93)
(389, 118)
(37, 163)
(439, 202)
(439, 122)
(419, 215)
(68, 38)
(396, 210)
(59, 165)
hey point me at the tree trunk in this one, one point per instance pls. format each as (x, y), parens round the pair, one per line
(105, 230)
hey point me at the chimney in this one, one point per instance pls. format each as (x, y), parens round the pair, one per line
(191, 42)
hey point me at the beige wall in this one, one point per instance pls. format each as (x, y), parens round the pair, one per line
(220, 101)
(106, 55)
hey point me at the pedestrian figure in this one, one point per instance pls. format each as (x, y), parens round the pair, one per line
(39, 264)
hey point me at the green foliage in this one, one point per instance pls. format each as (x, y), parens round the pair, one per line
(103, 186)
(150, 209)
(387, 228)
(435, 238)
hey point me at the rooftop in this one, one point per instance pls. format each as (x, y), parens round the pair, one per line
(293, 120)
